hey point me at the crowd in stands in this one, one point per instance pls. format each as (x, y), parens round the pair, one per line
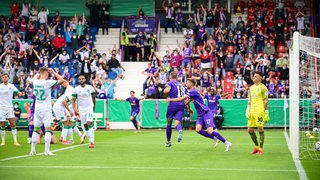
(222, 55)
(30, 39)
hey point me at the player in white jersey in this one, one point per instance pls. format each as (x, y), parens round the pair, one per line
(86, 103)
(63, 111)
(43, 107)
(7, 91)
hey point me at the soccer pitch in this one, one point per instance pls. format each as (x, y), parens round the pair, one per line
(126, 155)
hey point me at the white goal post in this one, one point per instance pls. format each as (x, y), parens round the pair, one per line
(303, 133)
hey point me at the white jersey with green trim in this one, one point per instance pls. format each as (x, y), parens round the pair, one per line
(6, 95)
(42, 89)
(59, 101)
(84, 96)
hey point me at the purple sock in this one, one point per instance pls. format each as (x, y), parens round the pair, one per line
(30, 130)
(169, 132)
(135, 124)
(178, 128)
(204, 133)
(217, 135)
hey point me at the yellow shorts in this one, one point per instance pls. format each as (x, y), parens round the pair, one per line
(256, 120)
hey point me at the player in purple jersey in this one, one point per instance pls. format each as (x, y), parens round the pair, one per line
(175, 109)
(213, 100)
(135, 108)
(205, 116)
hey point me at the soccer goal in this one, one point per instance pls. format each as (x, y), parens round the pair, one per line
(304, 83)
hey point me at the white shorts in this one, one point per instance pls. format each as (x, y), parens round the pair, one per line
(6, 113)
(86, 116)
(44, 117)
(59, 113)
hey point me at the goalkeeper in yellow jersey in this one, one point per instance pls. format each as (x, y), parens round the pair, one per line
(257, 111)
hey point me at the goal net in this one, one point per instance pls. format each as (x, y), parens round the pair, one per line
(304, 106)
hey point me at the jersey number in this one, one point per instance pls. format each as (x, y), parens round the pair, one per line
(181, 91)
(40, 98)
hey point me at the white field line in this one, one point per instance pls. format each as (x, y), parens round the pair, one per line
(56, 150)
(302, 173)
(151, 168)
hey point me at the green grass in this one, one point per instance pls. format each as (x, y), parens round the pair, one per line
(126, 155)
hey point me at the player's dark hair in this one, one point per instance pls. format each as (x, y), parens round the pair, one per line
(259, 73)
(193, 81)
(132, 91)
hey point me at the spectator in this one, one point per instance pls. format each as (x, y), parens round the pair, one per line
(43, 16)
(300, 21)
(17, 111)
(169, 9)
(149, 72)
(284, 72)
(115, 66)
(94, 13)
(58, 43)
(269, 49)
(282, 89)
(202, 32)
(240, 86)
(124, 42)
(14, 7)
(179, 20)
(139, 41)
(272, 90)
(281, 61)
(175, 58)
(151, 88)
(80, 26)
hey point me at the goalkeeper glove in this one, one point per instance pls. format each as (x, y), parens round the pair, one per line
(266, 116)
(248, 113)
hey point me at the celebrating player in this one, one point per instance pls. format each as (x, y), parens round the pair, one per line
(86, 103)
(7, 91)
(257, 111)
(205, 116)
(43, 108)
(135, 108)
(64, 112)
(175, 110)
(213, 100)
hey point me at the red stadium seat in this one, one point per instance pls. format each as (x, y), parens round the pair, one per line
(251, 3)
(288, 4)
(281, 49)
(229, 75)
(230, 49)
(227, 87)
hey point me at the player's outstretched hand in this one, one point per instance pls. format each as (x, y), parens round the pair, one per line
(167, 100)
(248, 113)
(266, 116)
(50, 70)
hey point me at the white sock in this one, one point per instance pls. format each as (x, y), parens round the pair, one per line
(14, 134)
(64, 133)
(91, 133)
(34, 139)
(77, 131)
(70, 132)
(47, 141)
(3, 134)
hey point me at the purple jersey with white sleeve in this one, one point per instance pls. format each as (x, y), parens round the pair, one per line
(213, 102)
(134, 102)
(198, 102)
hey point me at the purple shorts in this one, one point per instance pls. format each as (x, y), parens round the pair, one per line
(134, 113)
(175, 112)
(206, 120)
